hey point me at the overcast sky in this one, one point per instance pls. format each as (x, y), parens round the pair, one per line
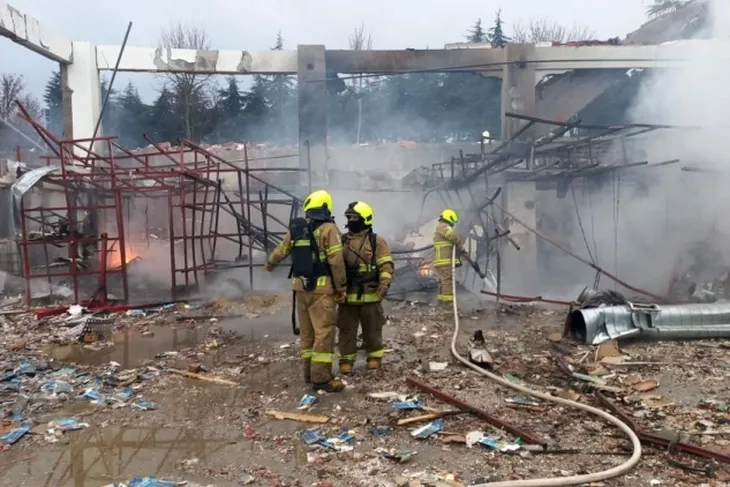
(253, 24)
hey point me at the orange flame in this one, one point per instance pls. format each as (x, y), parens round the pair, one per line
(114, 258)
(425, 270)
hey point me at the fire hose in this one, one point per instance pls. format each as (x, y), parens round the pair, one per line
(548, 482)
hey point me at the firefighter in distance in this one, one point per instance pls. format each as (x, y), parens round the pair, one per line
(445, 239)
(369, 273)
(319, 281)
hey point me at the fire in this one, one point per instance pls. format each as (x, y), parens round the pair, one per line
(425, 270)
(114, 258)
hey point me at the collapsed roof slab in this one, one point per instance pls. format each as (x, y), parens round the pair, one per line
(565, 95)
(30, 33)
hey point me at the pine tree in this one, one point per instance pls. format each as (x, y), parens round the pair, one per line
(133, 114)
(230, 111)
(110, 121)
(255, 110)
(476, 33)
(496, 36)
(279, 96)
(661, 7)
(161, 122)
(53, 99)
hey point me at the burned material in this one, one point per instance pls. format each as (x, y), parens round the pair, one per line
(682, 321)
(97, 207)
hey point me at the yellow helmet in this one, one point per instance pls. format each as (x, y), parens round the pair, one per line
(319, 199)
(450, 216)
(361, 209)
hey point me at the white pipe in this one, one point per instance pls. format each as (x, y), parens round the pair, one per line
(548, 482)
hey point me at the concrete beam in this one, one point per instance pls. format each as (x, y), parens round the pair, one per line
(312, 96)
(82, 88)
(29, 32)
(151, 60)
(389, 62)
(486, 60)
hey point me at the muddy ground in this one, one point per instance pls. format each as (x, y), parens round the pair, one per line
(218, 434)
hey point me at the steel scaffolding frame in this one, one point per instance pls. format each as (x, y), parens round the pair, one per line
(195, 186)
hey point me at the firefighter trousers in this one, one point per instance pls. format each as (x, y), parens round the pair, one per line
(372, 318)
(446, 283)
(317, 320)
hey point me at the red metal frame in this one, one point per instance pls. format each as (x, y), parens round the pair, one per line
(188, 178)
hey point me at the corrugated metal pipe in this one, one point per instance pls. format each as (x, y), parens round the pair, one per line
(680, 321)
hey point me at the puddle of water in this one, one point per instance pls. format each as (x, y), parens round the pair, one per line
(99, 456)
(130, 348)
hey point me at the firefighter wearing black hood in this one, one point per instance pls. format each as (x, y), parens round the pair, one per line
(369, 273)
(319, 281)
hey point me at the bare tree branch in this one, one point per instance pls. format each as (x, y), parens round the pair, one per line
(186, 85)
(358, 41)
(544, 30)
(12, 87)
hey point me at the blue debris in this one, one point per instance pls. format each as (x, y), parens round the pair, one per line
(310, 437)
(68, 424)
(25, 367)
(427, 430)
(152, 482)
(407, 405)
(126, 394)
(91, 394)
(12, 436)
(64, 372)
(8, 375)
(10, 386)
(57, 387)
(338, 442)
(145, 405)
(307, 401)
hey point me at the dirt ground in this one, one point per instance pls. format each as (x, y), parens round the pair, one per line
(221, 434)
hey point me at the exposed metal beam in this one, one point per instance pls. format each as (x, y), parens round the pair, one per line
(29, 32)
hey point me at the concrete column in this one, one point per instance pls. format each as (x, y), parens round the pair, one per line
(519, 267)
(312, 94)
(81, 94)
(518, 89)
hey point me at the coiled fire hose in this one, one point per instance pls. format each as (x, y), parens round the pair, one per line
(549, 482)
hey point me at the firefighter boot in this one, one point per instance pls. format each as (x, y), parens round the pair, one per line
(373, 363)
(334, 385)
(345, 368)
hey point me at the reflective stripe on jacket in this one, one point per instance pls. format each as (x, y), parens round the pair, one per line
(444, 240)
(327, 237)
(358, 254)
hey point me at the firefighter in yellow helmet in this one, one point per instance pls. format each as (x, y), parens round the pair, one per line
(369, 273)
(318, 281)
(444, 240)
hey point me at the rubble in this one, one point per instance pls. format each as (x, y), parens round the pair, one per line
(249, 390)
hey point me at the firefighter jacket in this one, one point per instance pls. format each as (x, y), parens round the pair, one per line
(444, 240)
(369, 272)
(327, 239)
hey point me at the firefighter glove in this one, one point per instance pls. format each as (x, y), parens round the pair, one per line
(268, 267)
(340, 298)
(382, 291)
